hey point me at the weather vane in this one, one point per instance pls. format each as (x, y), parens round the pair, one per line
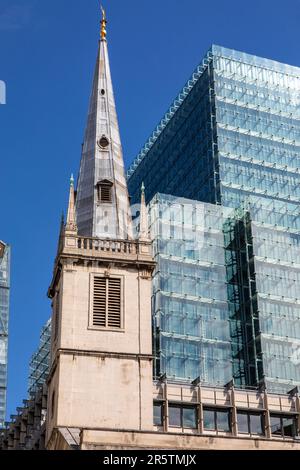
(103, 24)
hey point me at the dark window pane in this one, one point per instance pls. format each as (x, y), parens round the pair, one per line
(223, 420)
(256, 424)
(242, 420)
(289, 426)
(209, 419)
(157, 414)
(175, 416)
(189, 416)
(276, 426)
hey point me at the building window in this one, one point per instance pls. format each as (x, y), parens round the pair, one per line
(104, 189)
(217, 419)
(284, 425)
(183, 416)
(107, 302)
(158, 410)
(250, 423)
(175, 416)
(189, 417)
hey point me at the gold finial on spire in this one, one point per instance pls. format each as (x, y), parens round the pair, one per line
(103, 25)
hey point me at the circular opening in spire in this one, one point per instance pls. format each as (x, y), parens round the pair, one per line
(102, 92)
(103, 142)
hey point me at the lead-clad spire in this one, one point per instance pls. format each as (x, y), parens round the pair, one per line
(102, 202)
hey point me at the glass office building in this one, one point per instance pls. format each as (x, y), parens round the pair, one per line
(190, 309)
(232, 139)
(263, 276)
(232, 133)
(226, 300)
(40, 361)
(4, 317)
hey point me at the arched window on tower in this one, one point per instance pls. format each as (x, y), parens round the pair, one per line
(104, 191)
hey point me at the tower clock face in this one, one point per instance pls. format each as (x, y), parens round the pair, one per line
(103, 142)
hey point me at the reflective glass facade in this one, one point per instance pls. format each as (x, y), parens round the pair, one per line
(263, 270)
(40, 361)
(232, 133)
(179, 158)
(4, 318)
(258, 128)
(232, 138)
(190, 309)
(226, 300)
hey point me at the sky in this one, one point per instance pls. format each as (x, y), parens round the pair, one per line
(47, 56)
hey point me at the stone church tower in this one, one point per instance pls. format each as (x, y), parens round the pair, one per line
(101, 372)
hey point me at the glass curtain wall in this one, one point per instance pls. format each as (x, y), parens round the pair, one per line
(276, 252)
(190, 310)
(257, 105)
(232, 138)
(225, 295)
(263, 270)
(180, 156)
(40, 361)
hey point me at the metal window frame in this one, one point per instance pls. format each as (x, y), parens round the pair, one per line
(182, 405)
(281, 415)
(217, 409)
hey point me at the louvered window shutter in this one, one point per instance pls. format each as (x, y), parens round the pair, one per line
(114, 303)
(105, 193)
(107, 302)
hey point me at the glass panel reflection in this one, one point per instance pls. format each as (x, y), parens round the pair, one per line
(223, 420)
(174, 416)
(243, 422)
(276, 426)
(289, 427)
(189, 417)
(209, 419)
(256, 424)
(158, 414)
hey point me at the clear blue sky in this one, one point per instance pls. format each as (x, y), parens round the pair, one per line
(48, 50)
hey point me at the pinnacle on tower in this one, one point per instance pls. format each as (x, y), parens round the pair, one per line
(144, 226)
(71, 225)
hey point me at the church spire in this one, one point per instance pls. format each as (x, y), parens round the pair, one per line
(102, 203)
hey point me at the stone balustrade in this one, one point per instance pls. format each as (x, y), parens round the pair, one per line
(112, 246)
